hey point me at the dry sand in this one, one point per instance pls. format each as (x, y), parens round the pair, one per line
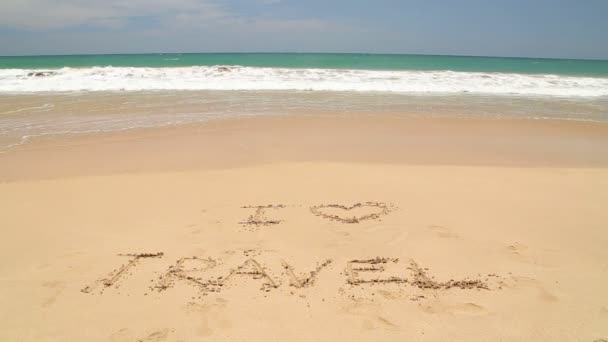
(310, 229)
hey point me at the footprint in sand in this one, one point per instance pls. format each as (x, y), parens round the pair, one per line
(543, 293)
(378, 322)
(546, 295)
(471, 309)
(122, 335)
(57, 287)
(517, 248)
(519, 252)
(370, 314)
(443, 232)
(387, 294)
(43, 266)
(198, 308)
(157, 336)
(70, 254)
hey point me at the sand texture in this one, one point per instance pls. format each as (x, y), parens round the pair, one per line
(331, 229)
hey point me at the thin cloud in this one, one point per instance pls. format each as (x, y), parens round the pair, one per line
(60, 14)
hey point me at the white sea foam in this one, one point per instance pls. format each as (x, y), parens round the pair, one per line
(252, 78)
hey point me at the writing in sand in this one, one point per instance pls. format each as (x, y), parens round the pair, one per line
(207, 274)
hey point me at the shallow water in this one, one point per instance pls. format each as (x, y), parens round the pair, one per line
(26, 116)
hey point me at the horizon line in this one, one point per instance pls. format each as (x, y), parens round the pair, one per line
(297, 53)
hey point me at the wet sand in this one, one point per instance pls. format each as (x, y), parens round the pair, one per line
(360, 228)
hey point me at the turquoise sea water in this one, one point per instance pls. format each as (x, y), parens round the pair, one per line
(315, 60)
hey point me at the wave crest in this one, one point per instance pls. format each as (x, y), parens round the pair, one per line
(254, 78)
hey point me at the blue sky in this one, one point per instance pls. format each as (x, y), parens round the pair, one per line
(528, 28)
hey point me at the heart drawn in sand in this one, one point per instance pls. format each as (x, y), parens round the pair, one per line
(366, 211)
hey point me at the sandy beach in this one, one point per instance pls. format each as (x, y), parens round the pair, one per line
(309, 229)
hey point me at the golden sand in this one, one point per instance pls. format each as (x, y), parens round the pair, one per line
(309, 229)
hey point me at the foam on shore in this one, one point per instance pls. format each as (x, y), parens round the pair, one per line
(255, 78)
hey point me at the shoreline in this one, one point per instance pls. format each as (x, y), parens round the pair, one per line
(383, 139)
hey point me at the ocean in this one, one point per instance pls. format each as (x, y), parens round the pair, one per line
(46, 95)
(320, 72)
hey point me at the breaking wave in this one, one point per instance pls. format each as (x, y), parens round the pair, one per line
(256, 78)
